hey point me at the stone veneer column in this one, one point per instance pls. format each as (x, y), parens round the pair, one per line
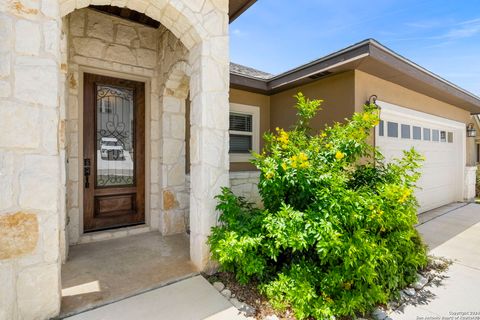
(32, 173)
(174, 192)
(208, 140)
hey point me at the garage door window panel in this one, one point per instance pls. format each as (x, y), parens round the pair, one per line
(417, 133)
(392, 129)
(450, 137)
(435, 135)
(426, 134)
(405, 131)
(443, 136)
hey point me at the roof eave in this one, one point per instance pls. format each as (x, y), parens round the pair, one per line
(403, 65)
(242, 9)
(241, 81)
(357, 52)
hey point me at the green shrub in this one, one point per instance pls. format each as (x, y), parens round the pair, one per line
(336, 236)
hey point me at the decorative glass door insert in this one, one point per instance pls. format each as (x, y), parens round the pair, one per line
(115, 136)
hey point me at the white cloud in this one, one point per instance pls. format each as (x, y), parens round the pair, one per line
(239, 33)
(465, 29)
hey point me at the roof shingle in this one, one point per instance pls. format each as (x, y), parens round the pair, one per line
(249, 72)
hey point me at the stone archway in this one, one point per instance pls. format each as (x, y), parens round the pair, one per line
(178, 16)
(202, 26)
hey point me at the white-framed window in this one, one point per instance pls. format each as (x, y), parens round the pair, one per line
(244, 132)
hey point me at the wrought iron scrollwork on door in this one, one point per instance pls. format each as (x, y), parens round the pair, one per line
(115, 132)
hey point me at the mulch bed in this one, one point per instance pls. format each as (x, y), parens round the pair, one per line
(249, 294)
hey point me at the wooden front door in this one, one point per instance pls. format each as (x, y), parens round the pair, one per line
(113, 152)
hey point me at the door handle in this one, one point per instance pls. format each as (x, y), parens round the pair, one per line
(86, 171)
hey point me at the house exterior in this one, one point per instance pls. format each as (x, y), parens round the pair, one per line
(121, 113)
(417, 109)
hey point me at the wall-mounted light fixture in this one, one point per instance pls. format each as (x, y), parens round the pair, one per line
(372, 100)
(471, 132)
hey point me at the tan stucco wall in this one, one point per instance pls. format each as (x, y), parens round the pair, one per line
(366, 85)
(337, 92)
(252, 99)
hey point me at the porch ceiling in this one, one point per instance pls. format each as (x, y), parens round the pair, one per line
(128, 14)
(235, 9)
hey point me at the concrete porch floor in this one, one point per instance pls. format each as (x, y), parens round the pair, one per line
(99, 273)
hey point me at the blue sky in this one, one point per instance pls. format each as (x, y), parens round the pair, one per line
(440, 35)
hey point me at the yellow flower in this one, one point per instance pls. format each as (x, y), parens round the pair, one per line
(366, 117)
(405, 195)
(284, 166)
(302, 156)
(339, 155)
(294, 164)
(277, 129)
(293, 158)
(283, 137)
(305, 164)
(328, 145)
(323, 135)
(269, 175)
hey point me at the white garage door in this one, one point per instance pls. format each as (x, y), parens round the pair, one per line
(441, 141)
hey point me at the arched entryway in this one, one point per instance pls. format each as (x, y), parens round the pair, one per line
(110, 58)
(205, 73)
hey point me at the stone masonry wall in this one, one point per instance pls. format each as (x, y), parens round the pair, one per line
(110, 44)
(174, 87)
(33, 117)
(244, 184)
(31, 159)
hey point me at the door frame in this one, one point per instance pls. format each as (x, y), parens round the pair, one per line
(110, 73)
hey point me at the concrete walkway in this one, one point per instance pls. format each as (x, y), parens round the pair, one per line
(456, 236)
(191, 299)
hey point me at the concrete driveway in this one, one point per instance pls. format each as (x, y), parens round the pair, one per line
(454, 234)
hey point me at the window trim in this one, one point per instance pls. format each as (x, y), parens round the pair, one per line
(254, 111)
